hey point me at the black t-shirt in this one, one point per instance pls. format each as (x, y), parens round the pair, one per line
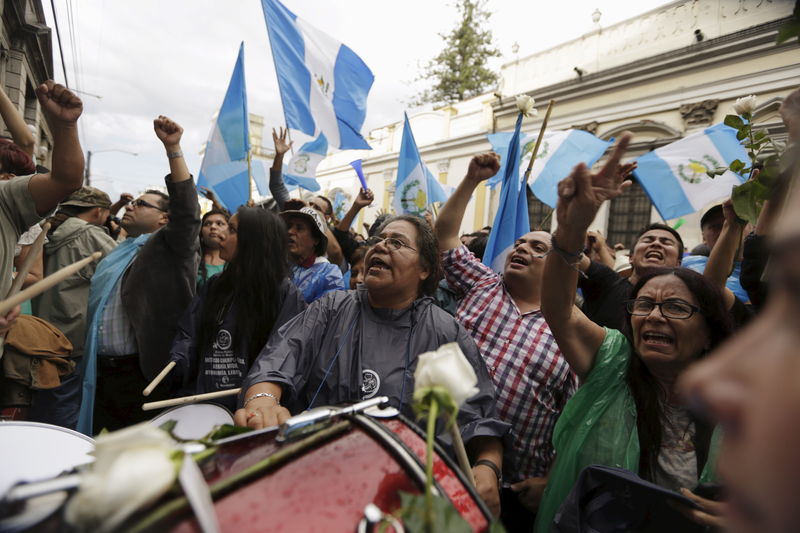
(604, 295)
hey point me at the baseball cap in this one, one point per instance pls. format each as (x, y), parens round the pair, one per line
(88, 197)
(317, 224)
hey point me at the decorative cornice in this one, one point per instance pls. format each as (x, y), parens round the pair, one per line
(751, 42)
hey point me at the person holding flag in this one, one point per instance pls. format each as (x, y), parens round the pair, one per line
(502, 313)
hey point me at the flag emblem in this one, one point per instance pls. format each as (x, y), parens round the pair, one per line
(695, 170)
(300, 163)
(414, 197)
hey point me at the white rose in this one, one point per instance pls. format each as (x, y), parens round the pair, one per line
(447, 367)
(745, 104)
(133, 468)
(525, 105)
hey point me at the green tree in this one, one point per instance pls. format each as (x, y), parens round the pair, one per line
(460, 70)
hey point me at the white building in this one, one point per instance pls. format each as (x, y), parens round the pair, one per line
(661, 75)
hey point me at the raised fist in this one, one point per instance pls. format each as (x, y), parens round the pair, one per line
(168, 131)
(483, 166)
(58, 102)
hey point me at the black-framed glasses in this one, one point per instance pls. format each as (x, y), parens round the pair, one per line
(141, 203)
(391, 242)
(677, 309)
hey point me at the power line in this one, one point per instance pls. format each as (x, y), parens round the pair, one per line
(60, 48)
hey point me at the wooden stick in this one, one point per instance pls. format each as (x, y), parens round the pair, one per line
(158, 379)
(40, 286)
(189, 399)
(461, 453)
(33, 254)
(539, 139)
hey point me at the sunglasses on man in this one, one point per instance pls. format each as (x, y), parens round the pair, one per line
(141, 203)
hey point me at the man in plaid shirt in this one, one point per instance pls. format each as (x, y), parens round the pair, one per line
(502, 313)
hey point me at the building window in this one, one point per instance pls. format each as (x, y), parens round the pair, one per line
(540, 214)
(628, 214)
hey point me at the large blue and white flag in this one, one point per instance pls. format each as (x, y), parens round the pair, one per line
(412, 195)
(559, 152)
(511, 221)
(224, 169)
(500, 143)
(324, 85)
(674, 176)
(302, 167)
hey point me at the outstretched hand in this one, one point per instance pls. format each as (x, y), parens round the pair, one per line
(279, 138)
(483, 166)
(58, 102)
(168, 131)
(581, 194)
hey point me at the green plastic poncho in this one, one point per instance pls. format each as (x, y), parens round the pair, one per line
(598, 426)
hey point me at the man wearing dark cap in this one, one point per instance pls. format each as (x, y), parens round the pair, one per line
(312, 274)
(76, 232)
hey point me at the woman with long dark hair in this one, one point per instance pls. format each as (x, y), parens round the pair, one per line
(626, 412)
(235, 312)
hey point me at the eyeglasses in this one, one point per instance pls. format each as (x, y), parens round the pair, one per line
(677, 309)
(391, 242)
(141, 203)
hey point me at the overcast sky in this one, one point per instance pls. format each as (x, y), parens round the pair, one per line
(175, 57)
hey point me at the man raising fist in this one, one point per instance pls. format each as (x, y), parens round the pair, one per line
(138, 293)
(24, 200)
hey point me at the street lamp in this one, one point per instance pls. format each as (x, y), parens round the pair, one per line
(88, 170)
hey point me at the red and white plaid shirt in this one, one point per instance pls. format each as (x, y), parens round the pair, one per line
(533, 381)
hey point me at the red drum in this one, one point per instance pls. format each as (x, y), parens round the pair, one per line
(323, 481)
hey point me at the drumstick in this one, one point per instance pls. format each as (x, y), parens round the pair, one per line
(40, 286)
(461, 453)
(33, 254)
(161, 375)
(189, 399)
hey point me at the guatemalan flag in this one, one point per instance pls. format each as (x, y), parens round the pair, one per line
(674, 176)
(559, 152)
(416, 188)
(511, 221)
(224, 169)
(323, 83)
(302, 167)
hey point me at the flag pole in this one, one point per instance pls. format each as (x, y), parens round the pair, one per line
(539, 139)
(249, 175)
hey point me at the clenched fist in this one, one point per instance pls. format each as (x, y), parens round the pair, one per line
(168, 131)
(58, 102)
(483, 166)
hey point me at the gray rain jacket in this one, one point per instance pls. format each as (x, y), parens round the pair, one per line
(372, 346)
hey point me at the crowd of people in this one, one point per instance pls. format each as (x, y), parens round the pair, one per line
(677, 366)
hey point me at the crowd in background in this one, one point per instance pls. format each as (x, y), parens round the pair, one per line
(586, 353)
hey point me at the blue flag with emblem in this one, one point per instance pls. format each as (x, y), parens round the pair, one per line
(224, 169)
(511, 221)
(674, 176)
(415, 188)
(323, 84)
(302, 167)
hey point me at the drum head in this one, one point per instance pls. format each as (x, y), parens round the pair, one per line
(30, 451)
(194, 421)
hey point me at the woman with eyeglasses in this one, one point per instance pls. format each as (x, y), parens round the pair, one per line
(354, 345)
(626, 412)
(235, 312)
